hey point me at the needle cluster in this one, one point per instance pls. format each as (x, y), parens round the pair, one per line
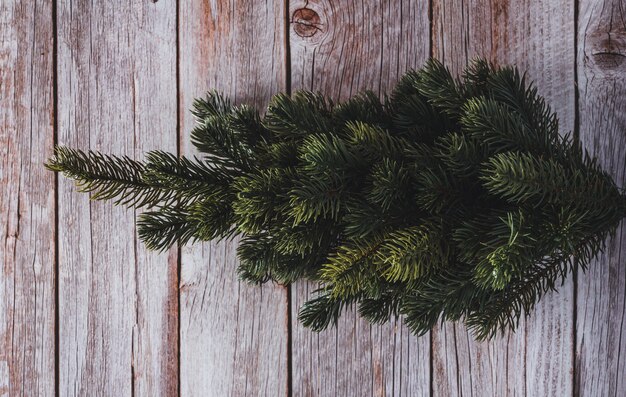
(450, 199)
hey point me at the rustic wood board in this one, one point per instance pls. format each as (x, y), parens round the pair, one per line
(537, 36)
(117, 303)
(234, 336)
(601, 295)
(27, 199)
(132, 322)
(340, 49)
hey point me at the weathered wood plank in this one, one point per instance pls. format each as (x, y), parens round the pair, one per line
(234, 336)
(538, 36)
(117, 302)
(340, 49)
(27, 199)
(601, 294)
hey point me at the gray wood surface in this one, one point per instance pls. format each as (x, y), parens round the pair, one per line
(538, 36)
(601, 294)
(234, 336)
(118, 318)
(120, 77)
(341, 49)
(27, 200)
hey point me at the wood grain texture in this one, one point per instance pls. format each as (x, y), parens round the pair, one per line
(234, 336)
(118, 305)
(537, 36)
(117, 302)
(340, 48)
(27, 214)
(601, 294)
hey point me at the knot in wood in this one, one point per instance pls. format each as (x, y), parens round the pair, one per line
(306, 22)
(608, 51)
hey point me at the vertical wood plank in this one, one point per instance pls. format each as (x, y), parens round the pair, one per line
(117, 302)
(341, 48)
(234, 336)
(537, 36)
(27, 199)
(601, 294)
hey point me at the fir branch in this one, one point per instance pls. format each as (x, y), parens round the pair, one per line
(491, 123)
(213, 218)
(452, 199)
(390, 184)
(525, 178)
(296, 116)
(508, 86)
(364, 107)
(184, 178)
(383, 307)
(411, 113)
(351, 269)
(323, 310)
(441, 90)
(161, 228)
(108, 177)
(215, 138)
(409, 254)
(212, 105)
(504, 309)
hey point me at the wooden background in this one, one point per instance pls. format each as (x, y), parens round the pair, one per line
(86, 310)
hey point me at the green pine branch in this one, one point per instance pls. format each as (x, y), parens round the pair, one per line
(452, 199)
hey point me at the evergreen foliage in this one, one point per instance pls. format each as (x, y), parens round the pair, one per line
(451, 199)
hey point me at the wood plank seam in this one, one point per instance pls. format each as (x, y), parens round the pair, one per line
(55, 140)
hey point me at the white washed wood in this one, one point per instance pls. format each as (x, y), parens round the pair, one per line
(118, 304)
(356, 46)
(117, 94)
(154, 93)
(234, 336)
(26, 199)
(601, 309)
(537, 36)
